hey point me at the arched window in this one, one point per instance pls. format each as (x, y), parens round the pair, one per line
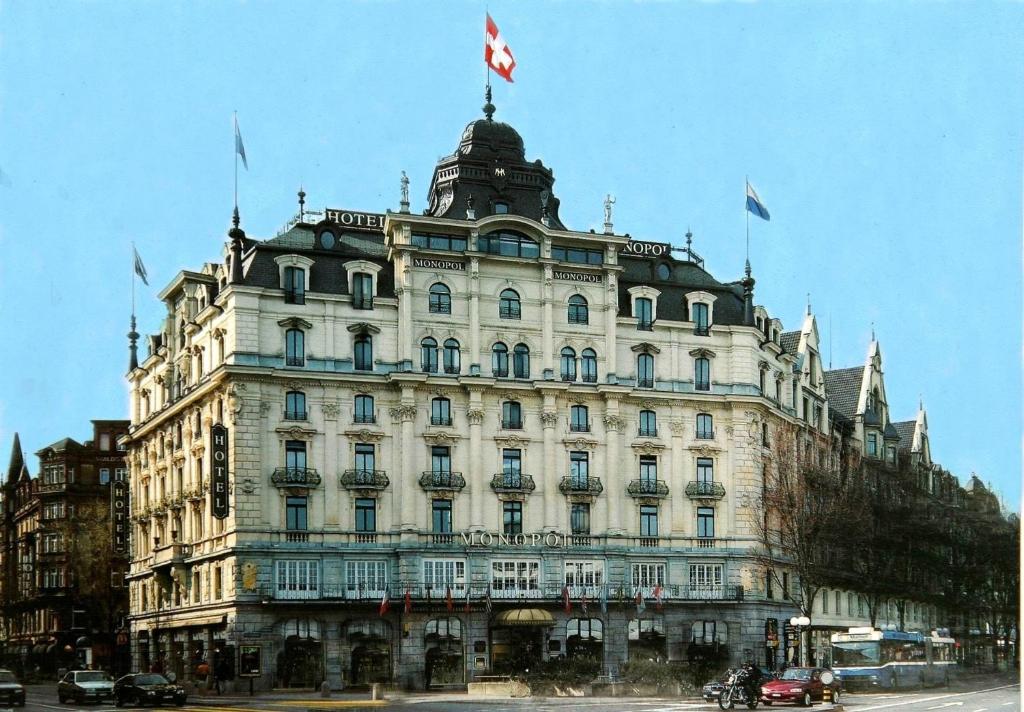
(705, 426)
(579, 419)
(499, 360)
(452, 362)
(440, 411)
(440, 299)
(644, 314)
(568, 364)
(294, 285)
(579, 313)
(584, 638)
(295, 405)
(363, 411)
(295, 347)
(428, 355)
(521, 361)
(700, 319)
(511, 415)
(508, 305)
(648, 424)
(588, 365)
(362, 357)
(645, 371)
(702, 374)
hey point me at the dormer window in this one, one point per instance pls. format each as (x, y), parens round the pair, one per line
(644, 313)
(872, 444)
(701, 306)
(700, 319)
(294, 277)
(362, 282)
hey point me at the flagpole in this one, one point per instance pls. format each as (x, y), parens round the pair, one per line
(745, 209)
(235, 138)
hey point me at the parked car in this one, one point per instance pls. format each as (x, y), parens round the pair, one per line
(713, 690)
(147, 688)
(85, 686)
(11, 690)
(800, 685)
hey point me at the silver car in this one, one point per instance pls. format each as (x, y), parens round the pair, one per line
(85, 686)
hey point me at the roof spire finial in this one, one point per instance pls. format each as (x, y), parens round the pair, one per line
(302, 203)
(488, 107)
(235, 218)
(689, 238)
(808, 304)
(872, 331)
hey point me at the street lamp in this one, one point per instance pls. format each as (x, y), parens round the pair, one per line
(800, 622)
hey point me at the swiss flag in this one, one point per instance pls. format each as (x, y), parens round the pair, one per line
(496, 53)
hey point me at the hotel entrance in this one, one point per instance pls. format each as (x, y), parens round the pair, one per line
(442, 639)
(517, 639)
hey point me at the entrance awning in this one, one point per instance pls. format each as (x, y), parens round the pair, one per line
(524, 616)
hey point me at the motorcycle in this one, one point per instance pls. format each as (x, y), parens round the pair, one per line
(736, 691)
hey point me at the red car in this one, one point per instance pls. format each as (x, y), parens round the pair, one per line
(800, 685)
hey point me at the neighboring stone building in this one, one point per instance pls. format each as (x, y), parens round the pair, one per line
(64, 557)
(421, 447)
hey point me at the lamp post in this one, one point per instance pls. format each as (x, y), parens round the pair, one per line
(801, 622)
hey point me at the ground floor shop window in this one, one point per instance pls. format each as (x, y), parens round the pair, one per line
(584, 638)
(442, 639)
(301, 662)
(516, 649)
(370, 658)
(647, 640)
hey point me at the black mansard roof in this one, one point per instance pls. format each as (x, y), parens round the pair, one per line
(684, 277)
(842, 388)
(790, 341)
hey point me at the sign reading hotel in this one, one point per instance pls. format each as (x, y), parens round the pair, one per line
(119, 514)
(635, 248)
(433, 263)
(588, 277)
(219, 471)
(356, 220)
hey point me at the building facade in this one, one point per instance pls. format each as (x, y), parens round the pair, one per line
(419, 448)
(64, 558)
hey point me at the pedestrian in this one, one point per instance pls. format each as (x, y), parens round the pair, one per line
(216, 670)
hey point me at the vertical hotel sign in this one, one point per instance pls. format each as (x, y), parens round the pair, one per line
(219, 471)
(119, 511)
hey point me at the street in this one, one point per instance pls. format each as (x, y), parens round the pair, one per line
(994, 697)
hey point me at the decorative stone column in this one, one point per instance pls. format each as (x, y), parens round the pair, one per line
(407, 481)
(550, 477)
(613, 489)
(475, 479)
(473, 279)
(547, 296)
(678, 477)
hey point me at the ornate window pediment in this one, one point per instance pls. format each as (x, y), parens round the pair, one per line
(702, 353)
(294, 322)
(645, 348)
(363, 328)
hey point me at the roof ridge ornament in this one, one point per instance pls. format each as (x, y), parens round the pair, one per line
(609, 201)
(488, 107)
(404, 205)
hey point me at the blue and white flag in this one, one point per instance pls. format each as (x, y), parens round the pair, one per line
(240, 149)
(140, 269)
(755, 205)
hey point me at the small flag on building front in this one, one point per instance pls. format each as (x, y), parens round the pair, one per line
(658, 594)
(755, 205)
(585, 604)
(408, 601)
(448, 600)
(385, 604)
(487, 601)
(566, 602)
(467, 599)
(638, 598)
(140, 269)
(496, 53)
(604, 599)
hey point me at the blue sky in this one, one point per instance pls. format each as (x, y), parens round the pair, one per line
(885, 138)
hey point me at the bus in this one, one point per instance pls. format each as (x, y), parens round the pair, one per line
(866, 658)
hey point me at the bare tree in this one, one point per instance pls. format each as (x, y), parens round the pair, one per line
(807, 507)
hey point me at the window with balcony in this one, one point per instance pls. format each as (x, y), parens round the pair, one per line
(294, 347)
(365, 461)
(511, 463)
(369, 578)
(512, 517)
(648, 520)
(648, 424)
(366, 515)
(707, 579)
(441, 516)
(579, 419)
(511, 578)
(705, 426)
(499, 360)
(521, 361)
(362, 354)
(294, 579)
(428, 355)
(509, 306)
(588, 365)
(579, 469)
(579, 518)
(568, 364)
(645, 371)
(579, 311)
(440, 411)
(648, 470)
(452, 357)
(364, 410)
(647, 576)
(440, 299)
(702, 374)
(705, 470)
(294, 285)
(296, 514)
(362, 290)
(705, 522)
(644, 309)
(295, 405)
(511, 415)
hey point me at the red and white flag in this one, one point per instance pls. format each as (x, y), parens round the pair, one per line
(496, 53)
(385, 604)
(658, 596)
(408, 601)
(566, 601)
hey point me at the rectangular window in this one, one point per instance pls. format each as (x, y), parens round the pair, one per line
(511, 415)
(860, 607)
(824, 602)
(700, 319)
(515, 578)
(872, 445)
(644, 314)
(364, 412)
(440, 459)
(838, 602)
(785, 585)
(450, 243)
(441, 516)
(104, 476)
(365, 578)
(441, 574)
(579, 518)
(709, 632)
(584, 576)
(705, 469)
(295, 508)
(366, 514)
(648, 520)
(295, 579)
(440, 411)
(647, 576)
(294, 285)
(579, 469)
(577, 255)
(511, 461)
(705, 522)
(362, 291)
(218, 583)
(769, 585)
(706, 580)
(512, 517)
(295, 457)
(648, 469)
(365, 461)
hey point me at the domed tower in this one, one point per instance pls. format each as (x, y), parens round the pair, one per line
(489, 175)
